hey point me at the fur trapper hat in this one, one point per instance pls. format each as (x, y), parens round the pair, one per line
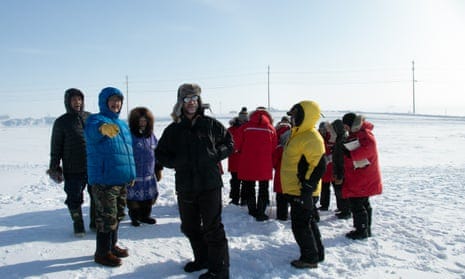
(184, 90)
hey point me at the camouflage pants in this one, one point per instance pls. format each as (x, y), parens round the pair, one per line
(110, 203)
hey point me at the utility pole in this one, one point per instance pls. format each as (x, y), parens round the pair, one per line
(127, 95)
(268, 87)
(413, 84)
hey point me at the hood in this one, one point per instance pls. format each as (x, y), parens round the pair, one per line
(311, 115)
(70, 93)
(261, 116)
(103, 100)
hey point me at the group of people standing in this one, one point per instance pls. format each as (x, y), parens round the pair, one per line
(121, 165)
(353, 170)
(115, 161)
(306, 162)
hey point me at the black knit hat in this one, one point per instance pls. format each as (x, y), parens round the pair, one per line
(348, 119)
(243, 115)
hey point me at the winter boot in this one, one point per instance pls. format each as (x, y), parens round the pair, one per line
(134, 214)
(145, 212)
(195, 266)
(115, 250)
(222, 274)
(343, 215)
(200, 250)
(360, 224)
(78, 223)
(107, 260)
(103, 254)
(303, 264)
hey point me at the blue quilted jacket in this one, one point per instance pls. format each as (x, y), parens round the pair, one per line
(110, 161)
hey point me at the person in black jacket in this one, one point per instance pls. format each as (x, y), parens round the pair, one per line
(338, 169)
(68, 146)
(194, 145)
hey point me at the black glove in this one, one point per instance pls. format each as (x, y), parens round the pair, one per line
(306, 198)
(56, 174)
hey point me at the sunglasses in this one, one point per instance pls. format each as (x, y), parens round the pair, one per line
(191, 98)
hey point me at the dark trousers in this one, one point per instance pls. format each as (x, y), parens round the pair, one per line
(75, 183)
(342, 204)
(91, 207)
(257, 207)
(325, 194)
(306, 232)
(235, 190)
(361, 211)
(282, 206)
(200, 215)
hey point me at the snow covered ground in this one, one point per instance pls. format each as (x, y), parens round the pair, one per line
(417, 228)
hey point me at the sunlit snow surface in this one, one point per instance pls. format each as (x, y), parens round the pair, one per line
(417, 225)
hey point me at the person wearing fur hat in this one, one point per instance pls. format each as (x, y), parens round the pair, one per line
(193, 145)
(143, 195)
(362, 175)
(111, 169)
(302, 167)
(68, 146)
(256, 142)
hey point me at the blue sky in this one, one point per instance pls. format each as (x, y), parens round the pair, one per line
(346, 55)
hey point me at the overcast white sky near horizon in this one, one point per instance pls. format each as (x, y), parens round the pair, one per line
(346, 55)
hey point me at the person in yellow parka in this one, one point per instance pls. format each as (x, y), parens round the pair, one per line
(302, 167)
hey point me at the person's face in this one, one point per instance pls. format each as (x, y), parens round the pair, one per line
(291, 115)
(190, 105)
(114, 103)
(142, 123)
(76, 102)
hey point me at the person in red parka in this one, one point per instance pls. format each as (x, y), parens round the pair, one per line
(236, 191)
(362, 175)
(257, 141)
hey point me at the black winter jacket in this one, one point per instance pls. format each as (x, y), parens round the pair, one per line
(194, 149)
(338, 149)
(68, 143)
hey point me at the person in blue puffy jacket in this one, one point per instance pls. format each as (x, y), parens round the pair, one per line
(110, 169)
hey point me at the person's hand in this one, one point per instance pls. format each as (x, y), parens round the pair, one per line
(56, 174)
(306, 197)
(109, 130)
